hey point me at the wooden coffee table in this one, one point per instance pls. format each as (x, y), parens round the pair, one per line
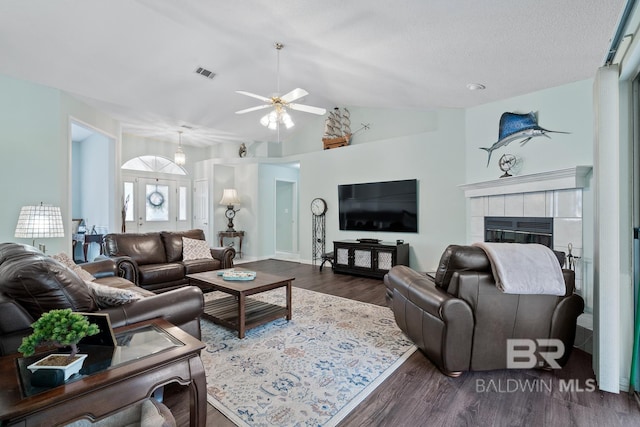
(237, 312)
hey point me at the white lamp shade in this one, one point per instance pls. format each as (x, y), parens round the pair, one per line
(39, 221)
(230, 197)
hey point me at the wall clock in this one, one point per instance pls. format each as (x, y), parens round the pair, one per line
(318, 206)
(318, 224)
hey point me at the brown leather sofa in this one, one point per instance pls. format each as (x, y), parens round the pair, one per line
(154, 261)
(461, 321)
(32, 283)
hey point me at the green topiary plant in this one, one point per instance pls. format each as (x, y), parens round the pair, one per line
(60, 328)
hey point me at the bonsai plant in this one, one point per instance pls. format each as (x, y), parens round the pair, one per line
(60, 328)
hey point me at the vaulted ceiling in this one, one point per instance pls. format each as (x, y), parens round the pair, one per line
(136, 59)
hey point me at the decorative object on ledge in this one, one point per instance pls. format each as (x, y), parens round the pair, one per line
(242, 151)
(42, 221)
(506, 163)
(337, 129)
(515, 126)
(230, 199)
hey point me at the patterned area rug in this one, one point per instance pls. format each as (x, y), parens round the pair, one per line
(310, 371)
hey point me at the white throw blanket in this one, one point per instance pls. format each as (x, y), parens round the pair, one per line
(524, 268)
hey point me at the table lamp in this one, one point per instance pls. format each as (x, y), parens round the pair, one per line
(43, 221)
(229, 199)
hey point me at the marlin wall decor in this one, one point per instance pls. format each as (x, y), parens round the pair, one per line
(517, 127)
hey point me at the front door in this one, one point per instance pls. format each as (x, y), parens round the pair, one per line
(154, 204)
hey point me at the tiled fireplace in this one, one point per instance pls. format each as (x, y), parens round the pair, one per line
(558, 195)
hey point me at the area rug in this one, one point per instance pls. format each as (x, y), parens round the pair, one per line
(310, 371)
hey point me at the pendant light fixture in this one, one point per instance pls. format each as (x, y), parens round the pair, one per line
(179, 158)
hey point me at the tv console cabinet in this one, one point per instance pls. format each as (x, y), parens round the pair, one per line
(368, 259)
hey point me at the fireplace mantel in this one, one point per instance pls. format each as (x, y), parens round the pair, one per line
(575, 177)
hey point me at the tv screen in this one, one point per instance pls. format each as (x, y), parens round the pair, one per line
(379, 206)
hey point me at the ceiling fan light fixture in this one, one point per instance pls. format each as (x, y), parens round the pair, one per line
(287, 120)
(276, 117)
(279, 114)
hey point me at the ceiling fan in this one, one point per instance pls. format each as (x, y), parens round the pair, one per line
(280, 103)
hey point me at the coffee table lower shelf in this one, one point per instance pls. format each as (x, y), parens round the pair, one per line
(225, 312)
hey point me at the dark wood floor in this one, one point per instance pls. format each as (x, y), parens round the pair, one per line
(417, 394)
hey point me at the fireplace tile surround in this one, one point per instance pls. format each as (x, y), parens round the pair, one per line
(556, 194)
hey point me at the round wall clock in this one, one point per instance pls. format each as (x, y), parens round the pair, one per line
(318, 206)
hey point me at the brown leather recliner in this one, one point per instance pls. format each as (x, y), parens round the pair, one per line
(461, 321)
(32, 283)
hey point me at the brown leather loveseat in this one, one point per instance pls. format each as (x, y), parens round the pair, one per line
(461, 321)
(32, 283)
(154, 261)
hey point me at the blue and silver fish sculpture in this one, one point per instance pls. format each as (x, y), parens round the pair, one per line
(517, 126)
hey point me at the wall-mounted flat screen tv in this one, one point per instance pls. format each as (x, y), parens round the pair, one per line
(379, 206)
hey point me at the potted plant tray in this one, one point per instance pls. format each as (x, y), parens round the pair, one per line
(69, 364)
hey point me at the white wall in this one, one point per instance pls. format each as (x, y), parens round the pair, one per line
(567, 108)
(35, 146)
(434, 155)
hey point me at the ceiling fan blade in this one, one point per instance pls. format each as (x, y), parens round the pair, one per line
(248, 110)
(308, 109)
(253, 95)
(297, 93)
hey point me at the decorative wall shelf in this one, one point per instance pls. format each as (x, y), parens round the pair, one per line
(561, 179)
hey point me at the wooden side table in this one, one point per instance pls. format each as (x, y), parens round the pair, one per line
(111, 388)
(231, 235)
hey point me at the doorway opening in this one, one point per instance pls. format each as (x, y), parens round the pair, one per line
(286, 220)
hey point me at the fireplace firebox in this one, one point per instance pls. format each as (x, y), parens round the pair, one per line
(519, 230)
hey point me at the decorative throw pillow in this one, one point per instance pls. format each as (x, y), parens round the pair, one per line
(195, 249)
(64, 259)
(108, 296)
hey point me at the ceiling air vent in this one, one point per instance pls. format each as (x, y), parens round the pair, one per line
(204, 72)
